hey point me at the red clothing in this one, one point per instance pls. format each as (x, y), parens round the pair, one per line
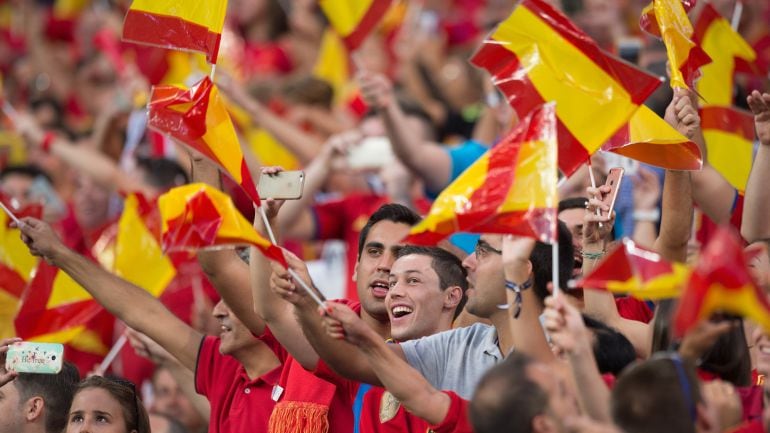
(238, 404)
(634, 309)
(343, 219)
(456, 420)
(309, 400)
(382, 413)
(750, 427)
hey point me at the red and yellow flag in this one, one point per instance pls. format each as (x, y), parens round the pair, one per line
(639, 272)
(650, 139)
(721, 282)
(510, 189)
(538, 55)
(69, 9)
(729, 53)
(16, 269)
(649, 23)
(190, 25)
(198, 216)
(198, 117)
(353, 20)
(674, 27)
(729, 135)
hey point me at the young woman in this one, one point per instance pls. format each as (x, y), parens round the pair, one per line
(103, 405)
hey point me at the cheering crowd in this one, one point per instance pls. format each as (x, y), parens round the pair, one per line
(468, 334)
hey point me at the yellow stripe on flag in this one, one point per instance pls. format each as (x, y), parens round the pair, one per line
(206, 13)
(79, 337)
(581, 90)
(344, 15)
(731, 155)
(13, 252)
(66, 291)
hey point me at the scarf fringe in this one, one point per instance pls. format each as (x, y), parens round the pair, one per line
(299, 417)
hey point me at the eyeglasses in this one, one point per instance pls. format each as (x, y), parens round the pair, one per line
(483, 248)
(132, 387)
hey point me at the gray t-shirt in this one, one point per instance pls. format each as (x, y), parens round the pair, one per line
(455, 360)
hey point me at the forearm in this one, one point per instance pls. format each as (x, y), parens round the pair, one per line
(528, 336)
(713, 194)
(645, 233)
(598, 303)
(676, 216)
(342, 357)
(133, 305)
(426, 160)
(592, 391)
(405, 383)
(756, 203)
(186, 380)
(486, 129)
(98, 166)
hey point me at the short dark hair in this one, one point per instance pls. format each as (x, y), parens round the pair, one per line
(506, 399)
(56, 390)
(309, 90)
(162, 173)
(125, 393)
(656, 396)
(573, 203)
(612, 350)
(542, 262)
(174, 426)
(448, 267)
(30, 170)
(392, 212)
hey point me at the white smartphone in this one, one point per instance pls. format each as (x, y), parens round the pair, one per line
(371, 153)
(284, 185)
(31, 357)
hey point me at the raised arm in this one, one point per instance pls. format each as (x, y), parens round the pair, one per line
(756, 205)
(424, 158)
(342, 357)
(131, 304)
(227, 272)
(277, 313)
(411, 389)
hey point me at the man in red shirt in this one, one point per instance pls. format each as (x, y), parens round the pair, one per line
(235, 371)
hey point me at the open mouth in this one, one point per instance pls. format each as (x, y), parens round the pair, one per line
(379, 288)
(224, 329)
(400, 311)
(764, 349)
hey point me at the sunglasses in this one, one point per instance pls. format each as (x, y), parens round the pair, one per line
(135, 397)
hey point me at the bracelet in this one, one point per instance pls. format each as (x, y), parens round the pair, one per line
(48, 139)
(510, 285)
(652, 215)
(593, 256)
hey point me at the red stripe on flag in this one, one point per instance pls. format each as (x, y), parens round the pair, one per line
(524, 97)
(707, 17)
(248, 185)
(690, 69)
(368, 22)
(11, 282)
(169, 31)
(728, 120)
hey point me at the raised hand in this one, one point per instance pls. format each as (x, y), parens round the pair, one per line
(682, 113)
(592, 232)
(283, 284)
(342, 323)
(760, 106)
(647, 190)
(41, 240)
(376, 89)
(565, 326)
(5, 375)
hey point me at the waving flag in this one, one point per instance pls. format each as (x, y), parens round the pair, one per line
(721, 282)
(649, 23)
(674, 27)
(639, 272)
(190, 25)
(198, 117)
(538, 55)
(353, 20)
(510, 189)
(729, 135)
(198, 216)
(650, 139)
(69, 9)
(729, 53)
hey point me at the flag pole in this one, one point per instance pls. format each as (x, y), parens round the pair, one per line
(737, 12)
(593, 185)
(318, 299)
(112, 354)
(213, 70)
(555, 267)
(13, 217)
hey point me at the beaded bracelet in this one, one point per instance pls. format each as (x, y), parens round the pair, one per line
(510, 285)
(593, 256)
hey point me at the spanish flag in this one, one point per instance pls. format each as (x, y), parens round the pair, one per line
(674, 27)
(17, 266)
(68, 9)
(729, 135)
(636, 271)
(510, 189)
(649, 23)
(198, 117)
(650, 139)
(721, 282)
(198, 216)
(729, 53)
(190, 25)
(353, 20)
(538, 55)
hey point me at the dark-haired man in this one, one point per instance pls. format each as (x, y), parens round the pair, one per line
(35, 403)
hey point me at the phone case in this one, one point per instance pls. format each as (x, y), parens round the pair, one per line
(31, 357)
(614, 179)
(286, 185)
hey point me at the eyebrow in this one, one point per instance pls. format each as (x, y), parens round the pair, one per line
(375, 245)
